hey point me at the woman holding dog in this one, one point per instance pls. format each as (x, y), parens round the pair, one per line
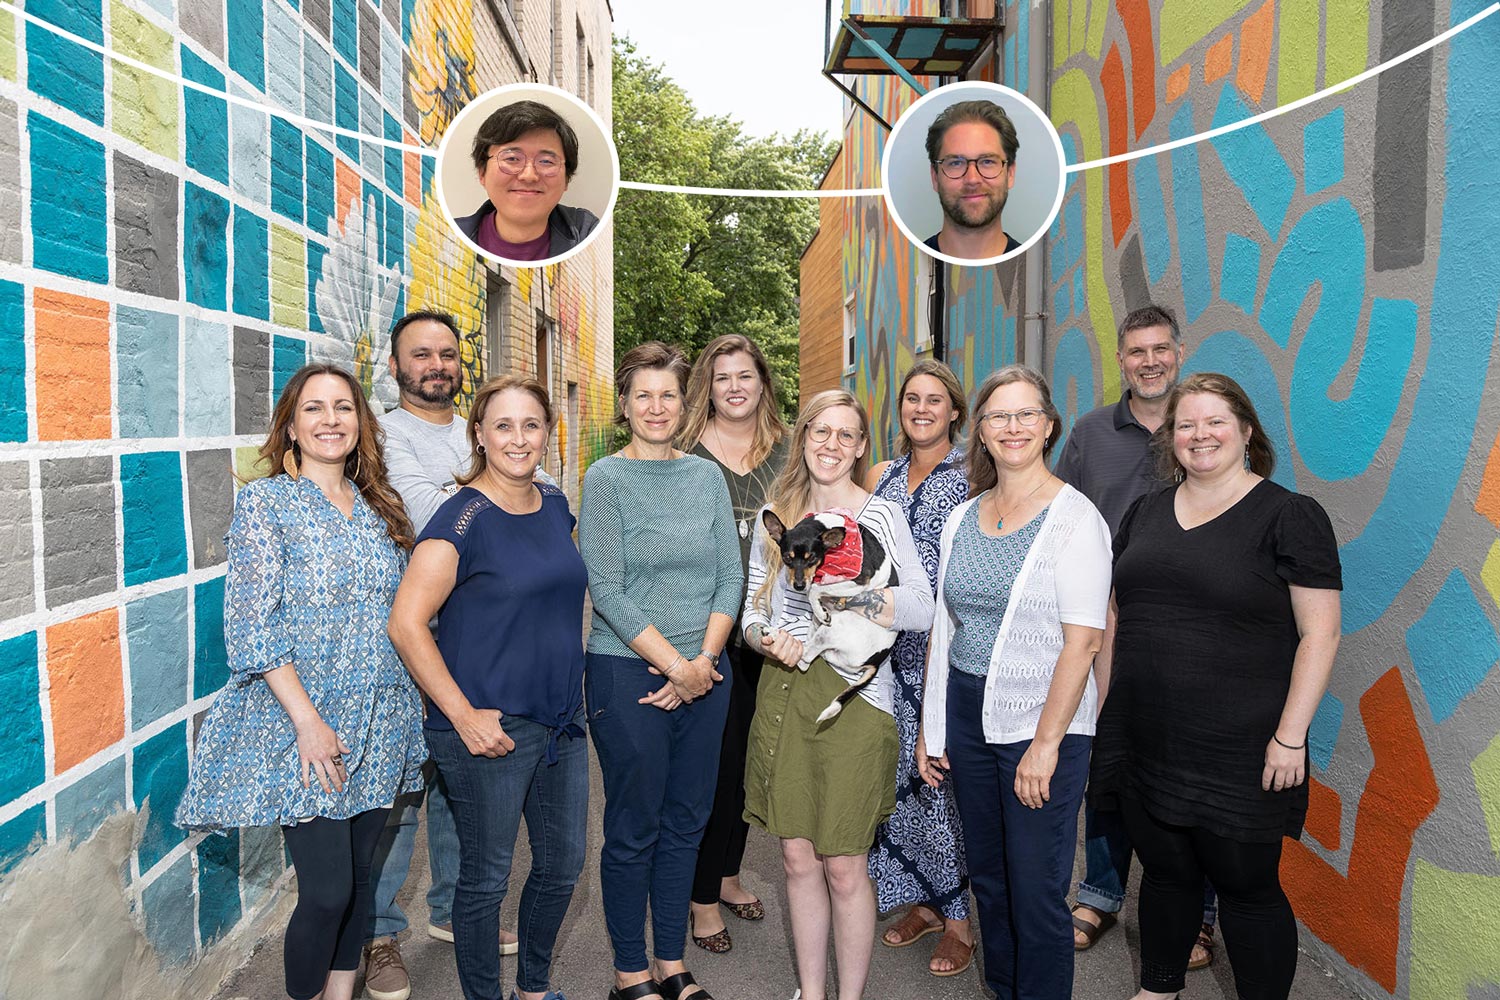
(1227, 595)
(1009, 705)
(657, 534)
(496, 564)
(918, 861)
(733, 420)
(823, 788)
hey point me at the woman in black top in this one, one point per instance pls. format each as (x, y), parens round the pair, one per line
(1226, 587)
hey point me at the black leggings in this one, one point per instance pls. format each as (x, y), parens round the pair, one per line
(1260, 933)
(335, 901)
(723, 845)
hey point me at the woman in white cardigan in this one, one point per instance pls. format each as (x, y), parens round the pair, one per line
(1010, 701)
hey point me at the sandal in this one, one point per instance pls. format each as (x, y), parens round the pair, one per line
(1206, 942)
(672, 988)
(752, 910)
(637, 992)
(718, 943)
(909, 930)
(1090, 932)
(955, 950)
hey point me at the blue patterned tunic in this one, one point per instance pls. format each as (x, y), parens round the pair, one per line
(309, 587)
(919, 852)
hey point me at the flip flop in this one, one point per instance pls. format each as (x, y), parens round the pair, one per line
(1091, 932)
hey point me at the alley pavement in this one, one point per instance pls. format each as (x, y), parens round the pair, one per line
(760, 965)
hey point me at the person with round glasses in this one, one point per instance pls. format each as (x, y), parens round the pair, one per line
(525, 154)
(972, 149)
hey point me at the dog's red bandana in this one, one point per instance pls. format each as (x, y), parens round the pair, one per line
(844, 560)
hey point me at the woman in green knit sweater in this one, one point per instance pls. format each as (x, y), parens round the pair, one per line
(657, 534)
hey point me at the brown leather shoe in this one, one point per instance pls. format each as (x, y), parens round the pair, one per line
(385, 973)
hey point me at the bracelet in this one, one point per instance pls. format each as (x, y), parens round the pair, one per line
(1288, 745)
(667, 670)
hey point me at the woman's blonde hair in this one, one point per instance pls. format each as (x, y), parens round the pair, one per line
(492, 388)
(792, 491)
(944, 374)
(769, 427)
(981, 464)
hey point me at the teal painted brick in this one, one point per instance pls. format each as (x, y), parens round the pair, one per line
(155, 531)
(145, 361)
(64, 71)
(19, 835)
(218, 885)
(247, 41)
(160, 775)
(287, 355)
(156, 635)
(90, 800)
(206, 118)
(21, 747)
(69, 224)
(252, 279)
(210, 663)
(205, 257)
(168, 905)
(12, 362)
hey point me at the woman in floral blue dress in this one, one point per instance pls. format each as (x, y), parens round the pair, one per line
(319, 727)
(918, 860)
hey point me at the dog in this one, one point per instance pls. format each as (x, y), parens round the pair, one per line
(825, 558)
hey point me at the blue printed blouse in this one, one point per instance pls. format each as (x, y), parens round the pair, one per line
(310, 587)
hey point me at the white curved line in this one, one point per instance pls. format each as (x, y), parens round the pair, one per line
(751, 192)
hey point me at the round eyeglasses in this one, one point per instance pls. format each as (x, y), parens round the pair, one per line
(818, 433)
(995, 419)
(513, 162)
(954, 167)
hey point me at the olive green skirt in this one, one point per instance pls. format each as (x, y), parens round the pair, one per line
(831, 783)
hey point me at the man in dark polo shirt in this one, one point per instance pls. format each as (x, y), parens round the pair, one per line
(1107, 458)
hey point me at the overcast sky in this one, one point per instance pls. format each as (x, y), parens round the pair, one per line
(757, 63)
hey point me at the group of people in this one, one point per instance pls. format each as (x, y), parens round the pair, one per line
(1149, 621)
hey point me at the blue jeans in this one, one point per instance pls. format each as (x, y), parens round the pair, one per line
(659, 771)
(393, 858)
(489, 796)
(1106, 856)
(1020, 859)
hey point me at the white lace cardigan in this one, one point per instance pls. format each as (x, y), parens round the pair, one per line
(1064, 578)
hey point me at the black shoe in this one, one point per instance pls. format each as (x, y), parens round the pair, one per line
(673, 987)
(636, 992)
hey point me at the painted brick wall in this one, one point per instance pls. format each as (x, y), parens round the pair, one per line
(1339, 261)
(168, 257)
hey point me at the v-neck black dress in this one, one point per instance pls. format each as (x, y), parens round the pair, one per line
(1203, 659)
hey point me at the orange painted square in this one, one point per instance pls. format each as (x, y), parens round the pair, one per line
(1488, 502)
(1220, 56)
(87, 687)
(413, 169)
(1177, 83)
(72, 365)
(346, 189)
(1256, 33)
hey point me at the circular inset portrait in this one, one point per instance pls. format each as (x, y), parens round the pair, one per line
(527, 173)
(973, 173)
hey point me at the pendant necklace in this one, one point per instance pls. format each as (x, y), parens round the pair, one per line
(741, 512)
(1000, 521)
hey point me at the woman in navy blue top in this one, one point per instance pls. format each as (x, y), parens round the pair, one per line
(504, 679)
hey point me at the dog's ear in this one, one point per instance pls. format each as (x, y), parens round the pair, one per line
(833, 537)
(773, 524)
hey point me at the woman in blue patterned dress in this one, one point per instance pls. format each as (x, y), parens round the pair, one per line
(918, 861)
(319, 727)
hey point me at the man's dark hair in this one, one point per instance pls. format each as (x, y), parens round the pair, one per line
(515, 120)
(1147, 316)
(987, 112)
(429, 315)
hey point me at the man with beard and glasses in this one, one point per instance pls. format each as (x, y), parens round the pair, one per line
(972, 149)
(1108, 459)
(426, 442)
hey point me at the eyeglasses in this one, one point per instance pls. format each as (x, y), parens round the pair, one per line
(996, 419)
(954, 167)
(818, 433)
(513, 161)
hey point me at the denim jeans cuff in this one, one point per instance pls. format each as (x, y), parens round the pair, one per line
(1104, 902)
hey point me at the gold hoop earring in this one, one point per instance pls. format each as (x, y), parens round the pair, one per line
(289, 463)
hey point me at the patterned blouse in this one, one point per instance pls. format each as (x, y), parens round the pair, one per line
(310, 587)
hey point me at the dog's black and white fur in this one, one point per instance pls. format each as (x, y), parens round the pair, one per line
(845, 637)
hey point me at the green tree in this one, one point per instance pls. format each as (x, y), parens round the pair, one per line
(689, 268)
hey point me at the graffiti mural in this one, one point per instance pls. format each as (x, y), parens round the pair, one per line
(1338, 261)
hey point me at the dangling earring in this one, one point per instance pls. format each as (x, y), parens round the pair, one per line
(1247, 458)
(355, 477)
(1177, 477)
(289, 462)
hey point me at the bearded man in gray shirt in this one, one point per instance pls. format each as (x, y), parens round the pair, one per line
(1108, 459)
